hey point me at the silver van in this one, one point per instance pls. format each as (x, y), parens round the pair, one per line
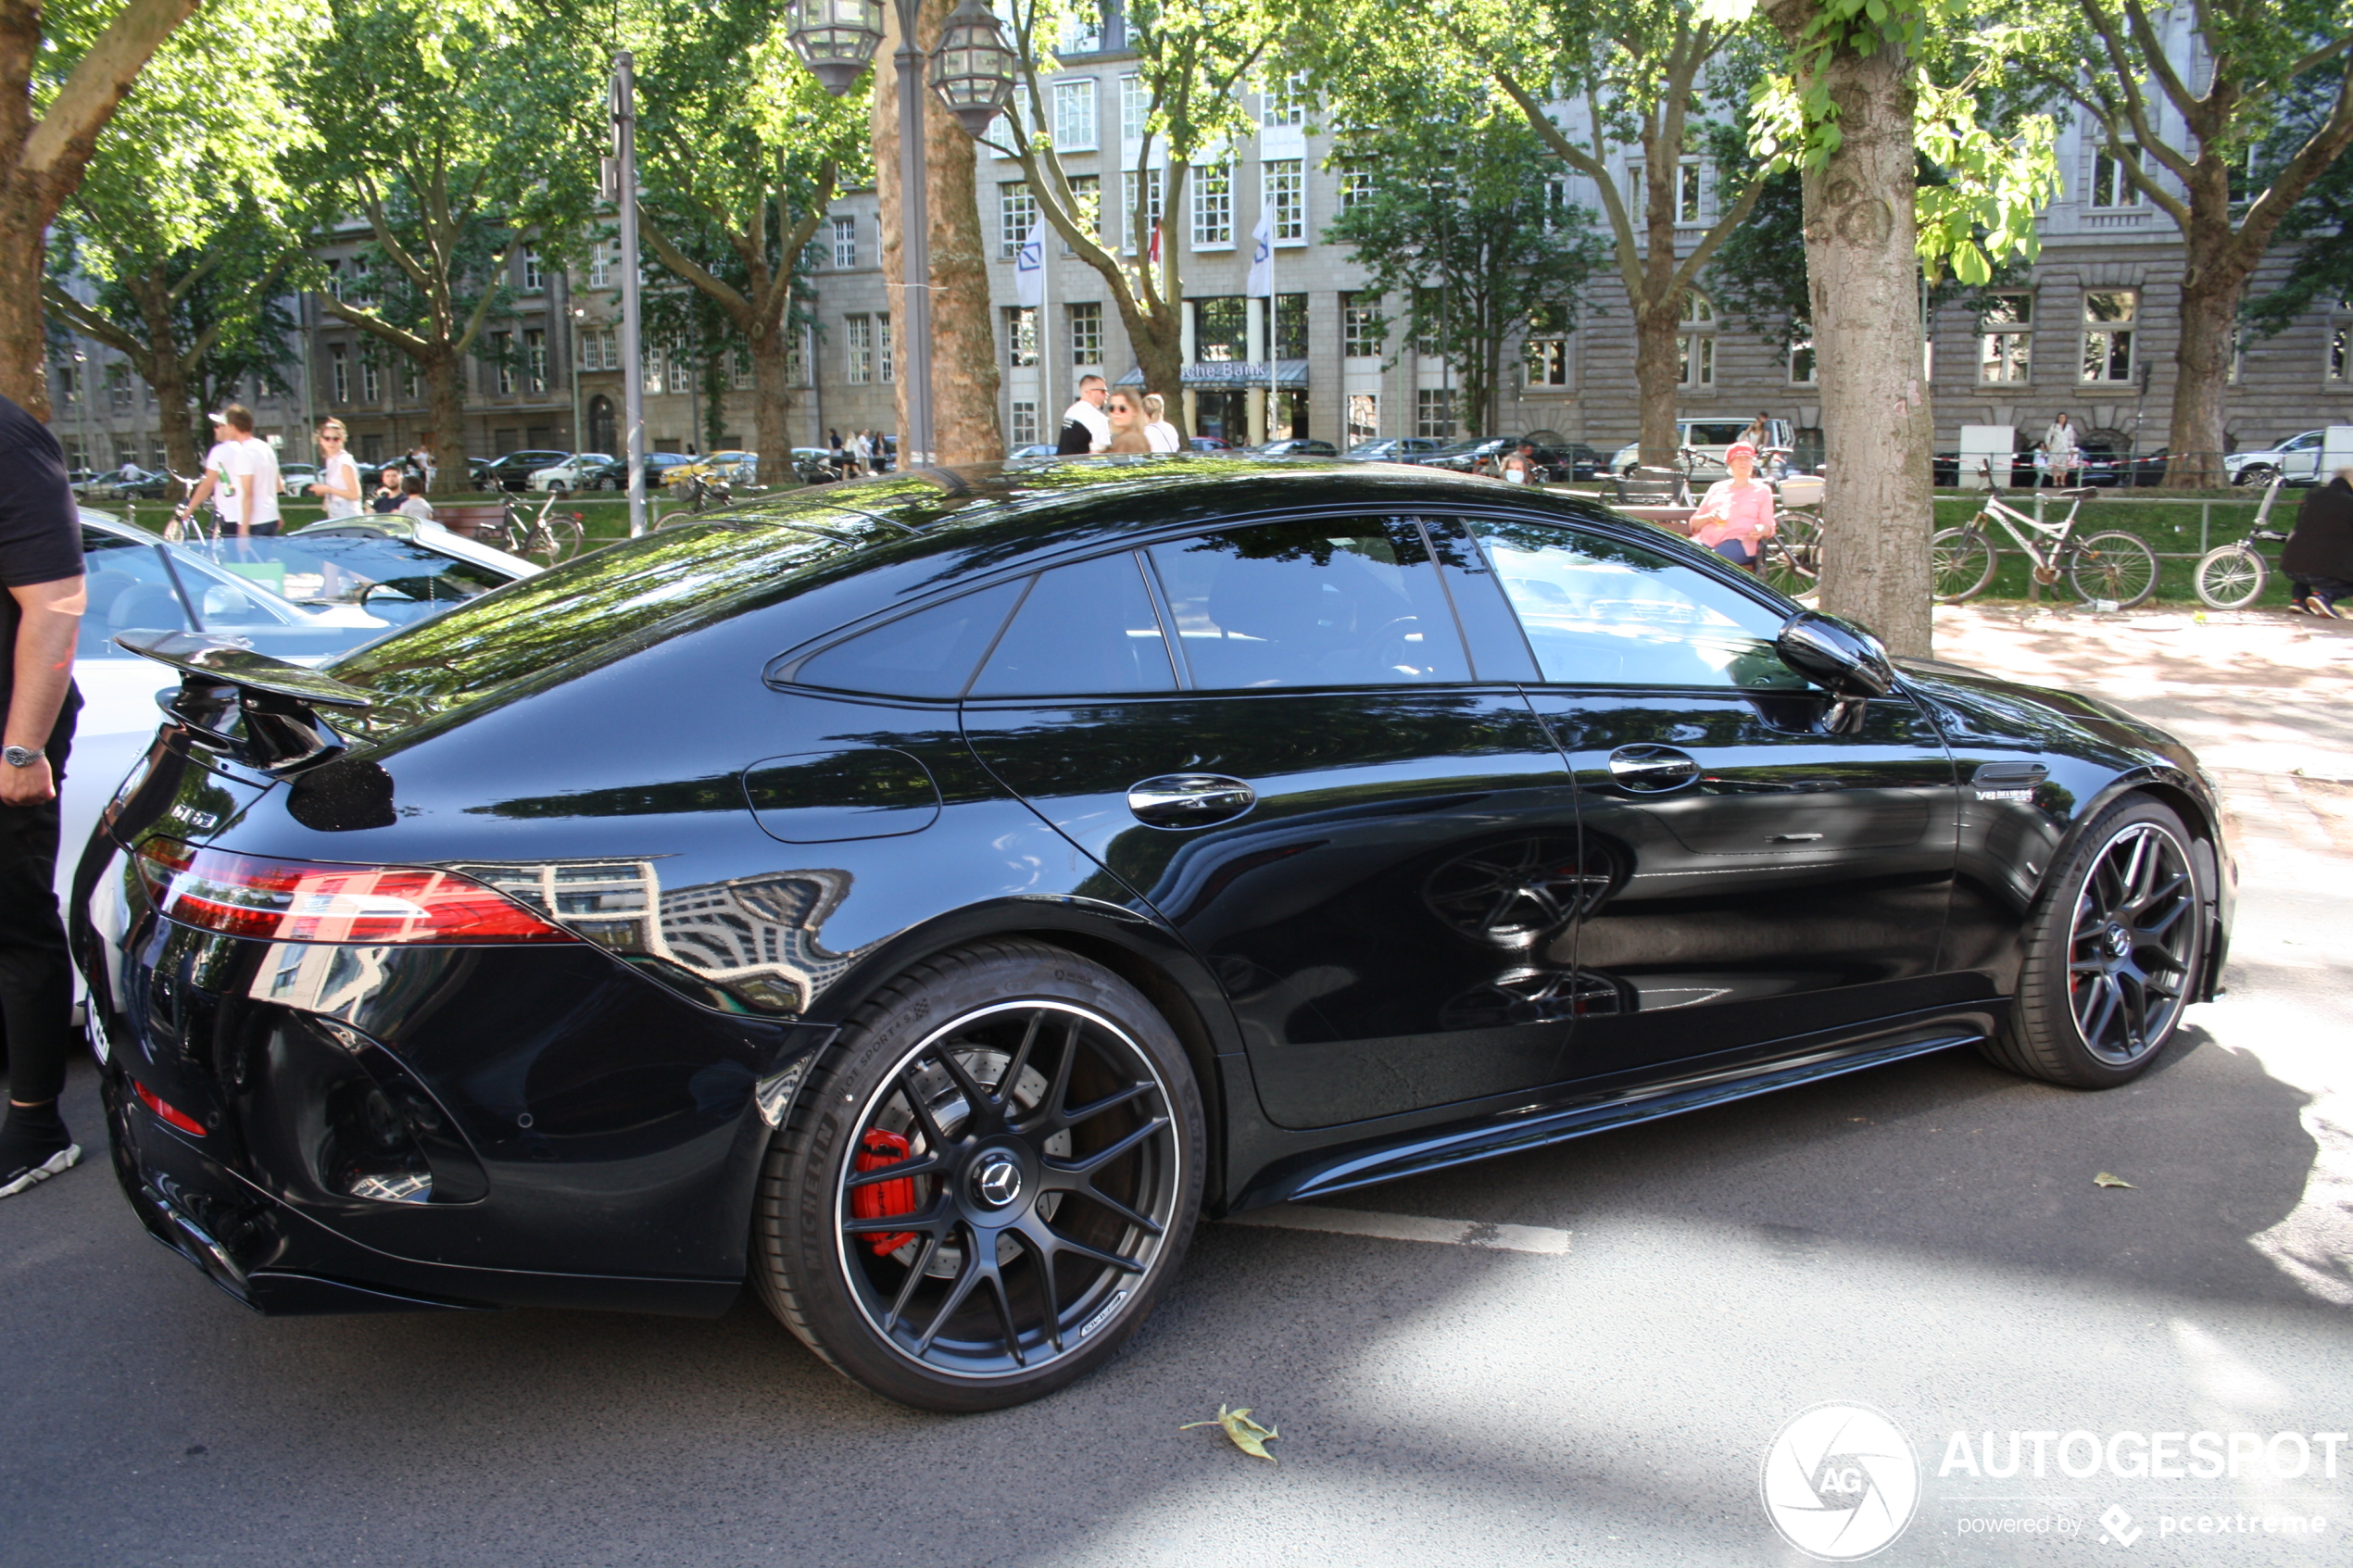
(1708, 441)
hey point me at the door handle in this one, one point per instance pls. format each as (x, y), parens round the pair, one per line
(1189, 800)
(1652, 769)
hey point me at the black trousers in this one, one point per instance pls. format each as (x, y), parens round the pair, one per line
(36, 974)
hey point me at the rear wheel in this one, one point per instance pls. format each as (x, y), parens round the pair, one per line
(1791, 559)
(987, 1183)
(2117, 568)
(2230, 577)
(2112, 952)
(1962, 563)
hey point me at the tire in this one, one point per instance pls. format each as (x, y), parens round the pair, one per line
(1791, 559)
(2086, 1015)
(2229, 577)
(2117, 567)
(917, 1070)
(608, 482)
(2256, 474)
(1962, 563)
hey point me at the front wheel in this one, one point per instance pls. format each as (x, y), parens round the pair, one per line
(2256, 474)
(987, 1181)
(2113, 952)
(2117, 568)
(2229, 577)
(1791, 559)
(1961, 561)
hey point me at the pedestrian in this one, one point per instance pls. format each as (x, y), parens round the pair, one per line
(1157, 430)
(859, 452)
(1519, 468)
(2318, 555)
(420, 460)
(1759, 433)
(339, 486)
(1126, 416)
(240, 477)
(1084, 427)
(2042, 464)
(1736, 515)
(129, 473)
(40, 621)
(412, 499)
(838, 456)
(386, 497)
(2059, 441)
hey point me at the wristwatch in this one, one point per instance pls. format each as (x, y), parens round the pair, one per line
(20, 756)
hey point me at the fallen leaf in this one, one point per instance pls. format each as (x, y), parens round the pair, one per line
(1247, 1435)
(2109, 1179)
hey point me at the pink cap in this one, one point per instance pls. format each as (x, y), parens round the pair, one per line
(1738, 447)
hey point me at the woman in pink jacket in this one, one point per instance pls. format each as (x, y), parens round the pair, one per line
(1736, 515)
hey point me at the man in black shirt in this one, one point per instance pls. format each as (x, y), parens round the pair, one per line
(39, 616)
(1085, 428)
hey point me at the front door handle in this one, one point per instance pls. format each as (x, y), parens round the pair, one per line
(1651, 770)
(1189, 800)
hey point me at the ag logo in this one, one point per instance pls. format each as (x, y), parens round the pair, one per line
(1840, 1482)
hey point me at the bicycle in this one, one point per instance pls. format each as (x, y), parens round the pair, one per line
(1791, 559)
(533, 535)
(2112, 570)
(2233, 576)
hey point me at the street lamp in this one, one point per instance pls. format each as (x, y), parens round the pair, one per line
(973, 74)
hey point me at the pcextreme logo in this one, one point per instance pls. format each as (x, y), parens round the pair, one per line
(1840, 1482)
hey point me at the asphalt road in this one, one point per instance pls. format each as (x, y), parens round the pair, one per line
(1925, 1239)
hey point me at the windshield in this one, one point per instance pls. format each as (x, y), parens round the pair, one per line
(398, 578)
(142, 584)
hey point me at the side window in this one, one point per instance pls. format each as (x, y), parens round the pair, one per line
(930, 653)
(1084, 630)
(128, 592)
(1599, 611)
(1318, 603)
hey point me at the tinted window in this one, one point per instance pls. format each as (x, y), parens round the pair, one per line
(1602, 612)
(341, 567)
(128, 592)
(930, 653)
(1321, 603)
(1721, 433)
(1083, 630)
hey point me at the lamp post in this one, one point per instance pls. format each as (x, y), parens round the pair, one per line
(971, 72)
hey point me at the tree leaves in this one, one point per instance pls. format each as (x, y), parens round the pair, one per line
(1247, 1435)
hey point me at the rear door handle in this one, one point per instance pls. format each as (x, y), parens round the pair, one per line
(1651, 770)
(1189, 800)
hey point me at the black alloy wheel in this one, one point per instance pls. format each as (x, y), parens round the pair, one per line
(2113, 952)
(991, 1185)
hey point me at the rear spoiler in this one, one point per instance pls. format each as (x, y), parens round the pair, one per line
(248, 706)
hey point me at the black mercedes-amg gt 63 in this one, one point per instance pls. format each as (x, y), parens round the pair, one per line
(929, 899)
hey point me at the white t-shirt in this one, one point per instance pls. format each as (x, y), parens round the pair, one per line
(1162, 436)
(1098, 424)
(341, 469)
(416, 507)
(244, 464)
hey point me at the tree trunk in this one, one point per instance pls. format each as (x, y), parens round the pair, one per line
(2214, 277)
(24, 347)
(963, 337)
(772, 401)
(1657, 378)
(445, 372)
(1658, 307)
(160, 363)
(1864, 280)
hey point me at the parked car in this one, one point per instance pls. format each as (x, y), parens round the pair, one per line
(1035, 449)
(1556, 461)
(572, 473)
(1392, 449)
(614, 475)
(514, 471)
(2298, 458)
(732, 468)
(928, 913)
(1296, 447)
(1209, 443)
(292, 477)
(1707, 439)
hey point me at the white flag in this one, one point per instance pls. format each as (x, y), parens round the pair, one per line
(1261, 257)
(1029, 268)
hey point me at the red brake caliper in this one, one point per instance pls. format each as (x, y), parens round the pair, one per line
(881, 1199)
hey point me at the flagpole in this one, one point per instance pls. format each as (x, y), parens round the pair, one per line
(1045, 345)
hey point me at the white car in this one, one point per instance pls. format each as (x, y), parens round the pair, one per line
(2297, 460)
(1707, 440)
(571, 474)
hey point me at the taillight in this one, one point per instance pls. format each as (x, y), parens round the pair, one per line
(171, 1115)
(277, 900)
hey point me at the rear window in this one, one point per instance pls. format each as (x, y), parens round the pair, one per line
(1715, 433)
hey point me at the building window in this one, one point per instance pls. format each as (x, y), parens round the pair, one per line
(882, 347)
(1087, 334)
(1024, 423)
(2006, 340)
(682, 372)
(845, 242)
(534, 275)
(1801, 371)
(1689, 178)
(1074, 115)
(1695, 348)
(1283, 188)
(503, 362)
(535, 359)
(597, 349)
(371, 387)
(858, 350)
(739, 371)
(1355, 188)
(338, 373)
(1016, 215)
(1429, 319)
(1021, 336)
(2108, 333)
(600, 259)
(1555, 203)
(1158, 186)
(1285, 100)
(1434, 412)
(2112, 180)
(1134, 107)
(1221, 328)
(118, 394)
(1634, 196)
(1082, 32)
(1086, 206)
(2340, 349)
(1364, 416)
(358, 284)
(1290, 326)
(652, 379)
(1213, 207)
(1547, 352)
(1362, 331)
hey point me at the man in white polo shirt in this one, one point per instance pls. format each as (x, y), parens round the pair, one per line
(240, 475)
(1085, 426)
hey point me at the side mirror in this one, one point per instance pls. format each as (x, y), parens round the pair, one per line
(1845, 660)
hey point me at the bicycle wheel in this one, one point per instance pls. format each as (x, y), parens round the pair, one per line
(2229, 577)
(567, 536)
(497, 536)
(1789, 565)
(1961, 561)
(2114, 567)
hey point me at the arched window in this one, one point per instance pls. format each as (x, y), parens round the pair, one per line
(602, 434)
